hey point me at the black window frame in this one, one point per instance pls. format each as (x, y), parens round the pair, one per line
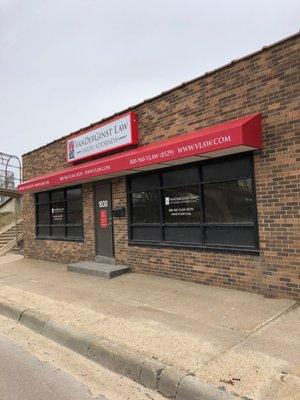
(202, 246)
(65, 224)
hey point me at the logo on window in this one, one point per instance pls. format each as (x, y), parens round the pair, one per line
(71, 149)
(167, 201)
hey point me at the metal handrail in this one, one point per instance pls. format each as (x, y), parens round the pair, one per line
(10, 173)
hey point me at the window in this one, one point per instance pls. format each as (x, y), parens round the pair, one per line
(181, 204)
(59, 214)
(207, 205)
(145, 206)
(228, 201)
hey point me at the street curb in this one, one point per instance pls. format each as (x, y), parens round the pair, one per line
(11, 310)
(171, 382)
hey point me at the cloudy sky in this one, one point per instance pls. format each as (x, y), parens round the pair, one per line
(67, 63)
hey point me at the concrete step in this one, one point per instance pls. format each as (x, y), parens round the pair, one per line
(105, 260)
(101, 270)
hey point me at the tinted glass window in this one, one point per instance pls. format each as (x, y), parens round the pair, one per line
(228, 201)
(146, 233)
(58, 231)
(43, 231)
(43, 215)
(208, 204)
(42, 197)
(57, 195)
(74, 212)
(186, 234)
(145, 182)
(74, 231)
(181, 204)
(59, 214)
(145, 206)
(178, 177)
(74, 194)
(231, 168)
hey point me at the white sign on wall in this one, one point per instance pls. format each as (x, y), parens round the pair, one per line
(120, 132)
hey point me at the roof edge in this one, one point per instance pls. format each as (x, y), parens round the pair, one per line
(167, 91)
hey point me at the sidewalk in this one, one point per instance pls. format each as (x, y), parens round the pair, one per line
(238, 340)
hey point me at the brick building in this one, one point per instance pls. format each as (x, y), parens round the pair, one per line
(200, 183)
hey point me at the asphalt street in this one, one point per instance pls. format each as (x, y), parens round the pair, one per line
(25, 377)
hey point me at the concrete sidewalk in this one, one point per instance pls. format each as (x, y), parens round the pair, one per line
(244, 342)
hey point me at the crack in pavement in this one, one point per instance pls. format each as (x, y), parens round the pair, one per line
(5, 276)
(168, 294)
(290, 308)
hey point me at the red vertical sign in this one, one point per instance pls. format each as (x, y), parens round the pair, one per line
(103, 218)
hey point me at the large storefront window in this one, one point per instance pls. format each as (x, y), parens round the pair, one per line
(59, 214)
(211, 204)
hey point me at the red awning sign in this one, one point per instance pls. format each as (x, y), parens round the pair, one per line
(236, 136)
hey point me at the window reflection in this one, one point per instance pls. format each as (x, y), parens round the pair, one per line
(145, 207)
(228, 201)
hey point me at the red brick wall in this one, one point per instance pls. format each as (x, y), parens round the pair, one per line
(266, 82)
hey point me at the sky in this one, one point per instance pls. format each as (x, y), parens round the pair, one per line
(67, 63)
